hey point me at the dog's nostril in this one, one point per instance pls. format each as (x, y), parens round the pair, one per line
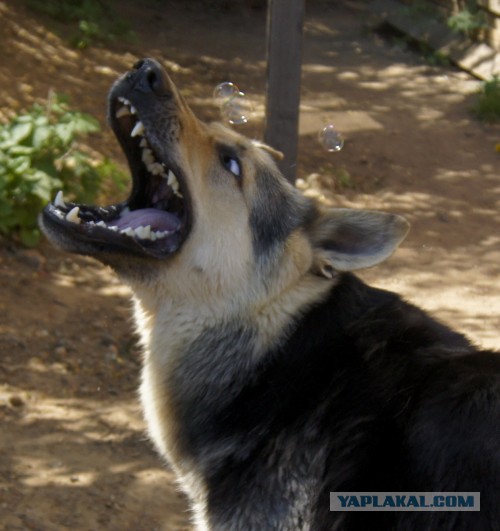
(151, 78)
(154, 82)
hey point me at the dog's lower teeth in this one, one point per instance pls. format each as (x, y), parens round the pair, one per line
(144, 233)
(72, 215)
(129, 231)
(59, 200)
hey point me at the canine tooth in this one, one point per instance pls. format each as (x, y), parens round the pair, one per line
(138, 129)
(72, 215)
(59, 200)
(122, 111)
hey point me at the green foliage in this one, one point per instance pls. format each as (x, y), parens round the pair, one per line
(38, 157)
(488, 100)
(92, 20)
(469, 21)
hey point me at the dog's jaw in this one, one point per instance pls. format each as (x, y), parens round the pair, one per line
(145, 112)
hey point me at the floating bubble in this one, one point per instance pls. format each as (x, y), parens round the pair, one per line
(237, 109)
(234, 106)
(331, 139)
(225, 91)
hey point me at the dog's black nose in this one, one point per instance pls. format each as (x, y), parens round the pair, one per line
(149, 76)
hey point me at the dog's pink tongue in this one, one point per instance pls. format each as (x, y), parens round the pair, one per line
(158, 219)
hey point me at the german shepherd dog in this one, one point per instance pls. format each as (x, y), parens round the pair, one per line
(273, 376)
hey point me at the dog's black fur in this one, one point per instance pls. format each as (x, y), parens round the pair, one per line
(405, 404)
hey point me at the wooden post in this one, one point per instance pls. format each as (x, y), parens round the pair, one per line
(285, 20)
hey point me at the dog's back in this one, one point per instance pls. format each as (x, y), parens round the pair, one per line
(367, 394)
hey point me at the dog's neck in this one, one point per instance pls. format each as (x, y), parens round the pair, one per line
(188, 301)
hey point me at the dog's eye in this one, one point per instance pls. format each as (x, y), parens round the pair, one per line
(231, 164)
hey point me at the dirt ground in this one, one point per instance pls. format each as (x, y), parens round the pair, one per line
(73, 454)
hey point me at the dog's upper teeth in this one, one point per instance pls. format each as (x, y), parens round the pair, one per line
(72, 215)
(133, 109)
(147, 157)
(123, 100)
(143, 143)
(172, 180)
(59, 200)
(155, 168)
(138, 129)
(122, 111)
(173, 183)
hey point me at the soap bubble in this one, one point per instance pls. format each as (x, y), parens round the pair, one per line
(331, 139)
(225, 91)
(237, 109)
(234, 106)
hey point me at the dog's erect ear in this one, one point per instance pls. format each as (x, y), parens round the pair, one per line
(346, 240)
(278, 155)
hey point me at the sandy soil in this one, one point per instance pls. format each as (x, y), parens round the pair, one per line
(73, 454)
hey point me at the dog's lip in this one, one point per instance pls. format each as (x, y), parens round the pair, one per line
(156, 218)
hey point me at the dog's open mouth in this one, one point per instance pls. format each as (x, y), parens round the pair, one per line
(155, 220)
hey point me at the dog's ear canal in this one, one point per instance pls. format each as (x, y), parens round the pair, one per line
(347, 240)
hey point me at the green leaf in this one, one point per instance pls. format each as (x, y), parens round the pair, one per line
(65, 133)
(20, 132)
(19, 165)
(41, 135)
(17, 151)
